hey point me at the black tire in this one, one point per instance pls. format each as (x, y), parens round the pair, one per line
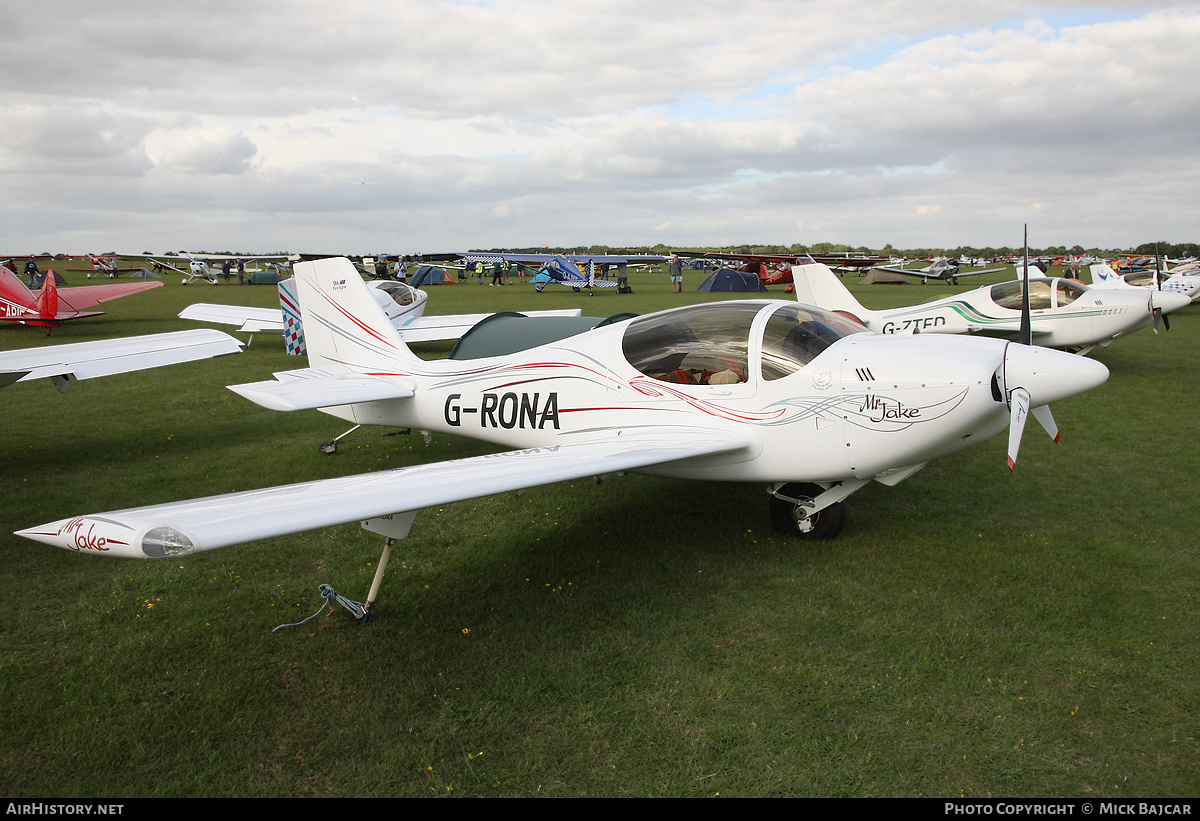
(788, 519)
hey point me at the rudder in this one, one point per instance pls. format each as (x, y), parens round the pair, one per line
(815, 284)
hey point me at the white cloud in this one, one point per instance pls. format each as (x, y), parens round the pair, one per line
(67, 139)
(229, 153)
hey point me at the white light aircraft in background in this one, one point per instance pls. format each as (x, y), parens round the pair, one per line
(1104, 277)
(939, 268)
(199, 267)
(1064, 313)
(794, 397)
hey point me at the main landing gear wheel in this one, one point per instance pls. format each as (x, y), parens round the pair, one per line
(792, 519)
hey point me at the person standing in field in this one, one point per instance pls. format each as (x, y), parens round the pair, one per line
(675, 269)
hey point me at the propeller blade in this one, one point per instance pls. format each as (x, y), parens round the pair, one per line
(1046, 419)
(1018, 401)
(1026, 325)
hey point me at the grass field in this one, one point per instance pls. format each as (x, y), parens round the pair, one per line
(971, 633)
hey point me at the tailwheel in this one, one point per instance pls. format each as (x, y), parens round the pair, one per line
(791, 513)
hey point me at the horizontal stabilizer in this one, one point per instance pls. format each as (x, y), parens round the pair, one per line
(310, 388)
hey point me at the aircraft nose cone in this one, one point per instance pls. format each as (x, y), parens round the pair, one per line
(1169, 300)
(1050, 375)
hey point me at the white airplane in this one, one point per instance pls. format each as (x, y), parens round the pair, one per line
(1104, 277)
(939, 268)
(200, 269)
(402, 304)
(88, 360)
(1189, 266)
(794, 397)
(1064, 313)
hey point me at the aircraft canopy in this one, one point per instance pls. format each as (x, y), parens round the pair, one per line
(711, 344)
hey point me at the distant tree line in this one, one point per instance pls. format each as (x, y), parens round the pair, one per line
(1170, 249)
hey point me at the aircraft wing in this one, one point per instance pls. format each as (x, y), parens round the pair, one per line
(796, 259)
(912, 272)
(250, 320)
(971, 272)
(85, 296)
(181, 528)
(580, 283)
(927, 274)
(87, 360)
(169, 262)
(539, 259)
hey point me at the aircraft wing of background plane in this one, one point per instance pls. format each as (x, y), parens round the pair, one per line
(539, 259)
(87, 296)
(776, 269)
(411, 328)
(832, 260)
(248, 318)
(219, 521)
(951, 272)
(88, 360)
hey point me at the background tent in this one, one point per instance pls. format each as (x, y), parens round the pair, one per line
(263, 278)
(428, 275)
(727, 279)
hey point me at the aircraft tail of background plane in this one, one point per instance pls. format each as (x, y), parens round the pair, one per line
(47, 299)
(293, 327)
(816, 284)
(18, 303)
(1103, 274)
(343, 324)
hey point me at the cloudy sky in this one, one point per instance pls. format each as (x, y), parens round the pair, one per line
(430, 125)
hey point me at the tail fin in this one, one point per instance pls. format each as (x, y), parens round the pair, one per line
(47, 300)
(293, 328)
(1103, 274)
(343, 323)
(817, 285)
